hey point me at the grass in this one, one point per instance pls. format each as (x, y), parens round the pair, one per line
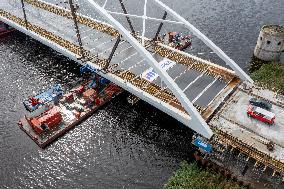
(190, 176)
(270, 76)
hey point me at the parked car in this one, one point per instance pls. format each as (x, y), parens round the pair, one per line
(261, 114)
(260, 103)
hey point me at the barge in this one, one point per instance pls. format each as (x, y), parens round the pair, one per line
(48, 120)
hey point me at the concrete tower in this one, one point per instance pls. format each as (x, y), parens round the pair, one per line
(270, 43)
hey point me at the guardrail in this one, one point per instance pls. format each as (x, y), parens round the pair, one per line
(80, 18)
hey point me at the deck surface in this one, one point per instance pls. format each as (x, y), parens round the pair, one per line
(126, 56)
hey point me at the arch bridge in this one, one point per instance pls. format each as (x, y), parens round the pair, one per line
(122, 41)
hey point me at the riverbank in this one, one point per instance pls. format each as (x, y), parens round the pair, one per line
(192, 176)
(270, 76)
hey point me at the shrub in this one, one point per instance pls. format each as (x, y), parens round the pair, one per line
(270, 76)
(190, 176)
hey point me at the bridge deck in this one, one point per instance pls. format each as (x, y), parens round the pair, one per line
(192, 79)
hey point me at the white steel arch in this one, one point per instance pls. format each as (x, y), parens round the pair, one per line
(181, 21)
(197, 122)
(207, 41)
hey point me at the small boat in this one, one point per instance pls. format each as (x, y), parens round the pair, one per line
(59, 113)
(177, 40)
(51, 95)
(5, 28)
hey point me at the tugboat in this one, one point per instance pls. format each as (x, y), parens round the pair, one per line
(5, 28)
(51, 114)
(177, 40)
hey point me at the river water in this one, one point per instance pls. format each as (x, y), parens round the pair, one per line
(120, 146)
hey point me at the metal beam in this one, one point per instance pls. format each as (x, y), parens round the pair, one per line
(160, 26)
(112, 52)
(105, 3)
(147, 18)
(127, 18)
(73, 13)
(24, 12)
(144, 23)
(199, 124)
(173, 50)
(208, 42)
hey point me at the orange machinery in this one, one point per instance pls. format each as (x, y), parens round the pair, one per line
(48, 120)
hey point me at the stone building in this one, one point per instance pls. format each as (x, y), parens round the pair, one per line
(270, 43)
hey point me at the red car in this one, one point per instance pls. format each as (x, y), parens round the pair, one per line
(260, 114)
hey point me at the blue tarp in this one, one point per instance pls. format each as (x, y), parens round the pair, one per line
(52, 94)
(88, 68)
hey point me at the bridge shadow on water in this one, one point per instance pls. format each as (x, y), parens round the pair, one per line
(135, 146)
(163, 130)
(168, 133)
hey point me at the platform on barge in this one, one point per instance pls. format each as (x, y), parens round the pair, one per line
(73, 108)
